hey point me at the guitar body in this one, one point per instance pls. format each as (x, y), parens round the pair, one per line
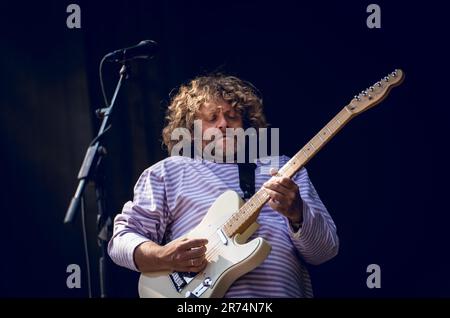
(229, 258)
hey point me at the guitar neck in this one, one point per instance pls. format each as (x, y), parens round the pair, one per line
(249, 212)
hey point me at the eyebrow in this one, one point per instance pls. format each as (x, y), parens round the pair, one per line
(211, 110)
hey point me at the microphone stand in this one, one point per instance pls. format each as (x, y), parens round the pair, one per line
(91, 170)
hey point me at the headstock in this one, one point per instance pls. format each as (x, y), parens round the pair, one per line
(376, 93)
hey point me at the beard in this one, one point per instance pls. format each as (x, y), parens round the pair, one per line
(222, 149)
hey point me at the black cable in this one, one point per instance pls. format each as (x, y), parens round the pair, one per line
(86, 249)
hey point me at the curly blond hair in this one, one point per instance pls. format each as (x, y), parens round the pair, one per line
(183, 107)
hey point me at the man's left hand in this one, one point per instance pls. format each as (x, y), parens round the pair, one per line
(284, 197)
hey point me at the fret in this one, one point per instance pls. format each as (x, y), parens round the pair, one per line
(264, 196)
(258, 195)
(282, 172)
(315, 143)
(320, 137)
(287, 165)
(340, 117)
(307, 149)
(257, 199)
(294, 162)
(334, 125)
(331, 126)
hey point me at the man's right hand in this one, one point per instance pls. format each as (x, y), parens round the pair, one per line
(182, 255)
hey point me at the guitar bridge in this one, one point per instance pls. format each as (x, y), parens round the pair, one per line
(200, 289)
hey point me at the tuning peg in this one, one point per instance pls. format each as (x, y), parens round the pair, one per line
(357, 97)
(378, 84)
(386, 79)
(371, 88)
(394, 73)
(364, 93)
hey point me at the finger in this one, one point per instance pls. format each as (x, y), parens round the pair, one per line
(273, 171)
(195, 262)
(277, 187)
(194, 253)
(284, 181)
(274, 195)
(193, 243)
(186, 265)
(287, 182)
(198, 268)
(277, 206)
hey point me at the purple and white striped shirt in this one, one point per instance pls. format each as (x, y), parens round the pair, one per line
(172, 197)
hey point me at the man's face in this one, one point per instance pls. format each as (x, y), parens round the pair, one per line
(219, 114)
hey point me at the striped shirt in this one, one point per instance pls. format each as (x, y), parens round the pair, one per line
(172, 197)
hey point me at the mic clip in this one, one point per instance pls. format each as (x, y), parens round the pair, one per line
(102, 112)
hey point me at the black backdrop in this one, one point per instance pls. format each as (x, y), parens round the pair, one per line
(383, 178)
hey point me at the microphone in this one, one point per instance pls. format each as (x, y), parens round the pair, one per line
(144, 50)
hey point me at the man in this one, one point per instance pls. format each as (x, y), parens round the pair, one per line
(172, 196)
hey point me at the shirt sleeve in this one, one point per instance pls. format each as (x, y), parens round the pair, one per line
(317, 239)
(143, 219)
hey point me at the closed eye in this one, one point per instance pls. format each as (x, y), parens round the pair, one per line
(233, 117)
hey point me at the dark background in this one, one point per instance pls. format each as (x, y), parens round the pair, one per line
(383, 178)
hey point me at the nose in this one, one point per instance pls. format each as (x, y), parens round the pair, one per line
(222, 122)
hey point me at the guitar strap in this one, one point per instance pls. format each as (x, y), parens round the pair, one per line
(247, 179)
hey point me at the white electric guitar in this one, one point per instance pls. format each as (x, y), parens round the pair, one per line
(230, 221)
